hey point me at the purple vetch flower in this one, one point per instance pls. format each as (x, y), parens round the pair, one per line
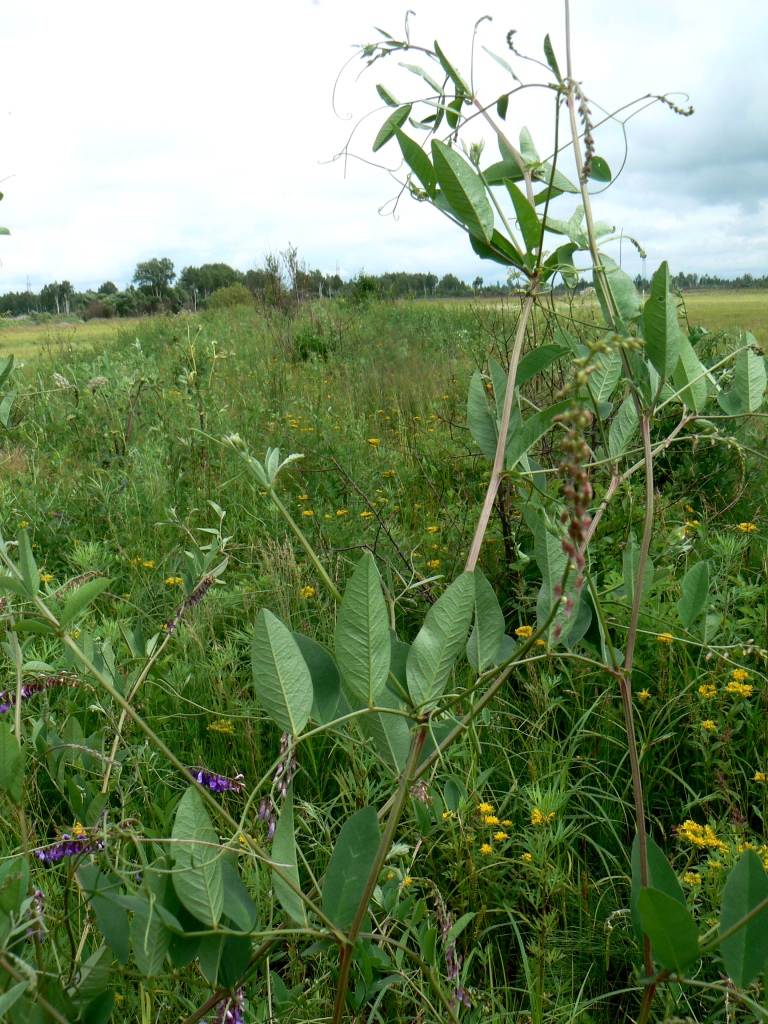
(230, 1010)
(286, 766)
(194, 598)
(68, 846)
(217, 783)
(267, 814)
(40, 685)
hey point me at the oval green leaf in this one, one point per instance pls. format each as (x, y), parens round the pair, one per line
(280, 674)
(746, 951)
(437, 645)
(197, 876)
(362, 633)
(694, 593)
(671, 929)
(464, 191)
(350, 865)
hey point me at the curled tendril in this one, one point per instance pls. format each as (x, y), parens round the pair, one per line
(682, 111)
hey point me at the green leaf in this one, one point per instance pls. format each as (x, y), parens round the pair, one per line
(13, 586)
(482, 425)
(326, 682)
(80, 599)
(530, 225)
(500, 250)
(350, 865)
(27, 564)
(284, 854)
(387, 130)
(422, 74)
(451, 71)
(197, 876)
(453, 111)
(623, 428)
(600, 171)
(483, 644)
(418, 161)
(552, 562)
(537, 360)
(280, 674)
(11, 765)
(631, 566)
(502, 103)
(690, 377)
(99, 1010)
(605, 377)
(111, 917)
(14, 883)
(527, 149)
(502, 63)
(9, 997)
(622, 287)
(238, 904)
(439, 641)
(660, 327)
(391, 733)
(362, 633)
(694, 593)
(464, 191)
(387, 96)
(750, 378)
(549, 53)
(671, 929)
(729, 402)
(6, 366)
(746, 951)
(150, 939)
(224, 958)
(532, 430)
(660, 876)
(455, 931)
(4, 231)
(5, 408)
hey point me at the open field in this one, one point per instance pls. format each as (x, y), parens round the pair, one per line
(26, 340)
(526, 823)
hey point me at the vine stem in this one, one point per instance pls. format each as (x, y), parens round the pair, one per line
(388, 835)
(501, 444)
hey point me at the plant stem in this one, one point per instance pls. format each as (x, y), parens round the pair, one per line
(501, 444)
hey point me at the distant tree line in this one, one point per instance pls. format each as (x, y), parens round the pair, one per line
(280, 282)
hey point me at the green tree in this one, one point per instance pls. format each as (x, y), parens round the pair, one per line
(155, 276)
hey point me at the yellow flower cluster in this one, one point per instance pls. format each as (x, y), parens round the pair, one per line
(222, 726)
(490, 819)
(707, 690)
(528, 858)
(761, 777)
(740, 675)
(174, 581)
(433, 563)
(539, 818)
(739, 689)
(307, 512)
(699, 835)
(747, 527)
(524, 632)
(366, 515)
(432, 529)
(485, 808)
(373, 441)
(342, 512)
(708, 724)
(644, 694)
(46, 577)
(692, 878)
(388, 474)
(761, 851)
(307, 592)
(665, 638)
(486, 849)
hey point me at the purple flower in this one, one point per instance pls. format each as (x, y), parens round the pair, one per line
(68, 847)
(230, 1010)
(41, 684)
(194, 598)
(286, 766)
(217, 783)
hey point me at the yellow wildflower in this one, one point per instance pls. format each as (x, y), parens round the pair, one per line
(390, 876)
(366, 515)
(747, 527)
(644, 694)
(388, 474)
(506, 823)
(307, 512)
(174, 581)
(407, 880)
(46, 577)
(486, 849)
(541, 643)
(432, 529)
(222, 726)
(500, 836)
(699, 835)
(491, 819)
(303, 497)
(149, 564)
(447, 815)
(373, 441)
(78, 831)
(739, 689)
(761, 777)
(342, 512)
(707, 690)
(23, 524)
(433, 563)
(524, 632)
(306, 592)
(692, 878)
(528, 858)
(536, 816)
(740, 675)
(708, 724)
(485, 808)
(665, 638)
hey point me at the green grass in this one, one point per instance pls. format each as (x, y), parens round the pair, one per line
(58, 339)
(120, 480)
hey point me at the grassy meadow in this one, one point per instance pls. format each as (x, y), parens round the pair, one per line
(114, 467)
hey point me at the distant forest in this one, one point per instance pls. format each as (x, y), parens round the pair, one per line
(155, 287)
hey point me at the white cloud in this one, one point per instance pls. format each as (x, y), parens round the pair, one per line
(203, 133)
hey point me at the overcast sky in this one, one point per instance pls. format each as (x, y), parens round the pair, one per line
(206, 132)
